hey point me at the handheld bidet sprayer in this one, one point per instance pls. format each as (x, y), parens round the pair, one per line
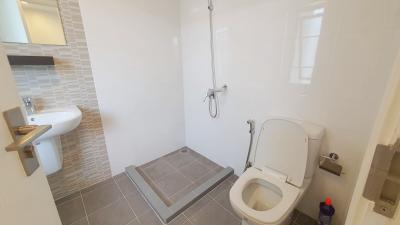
(252, 125)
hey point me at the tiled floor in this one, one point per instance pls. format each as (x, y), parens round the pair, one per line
(117, 201)
(302, 219)
(174, 175)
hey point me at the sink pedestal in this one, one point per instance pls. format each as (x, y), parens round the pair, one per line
(49, 153)
(48, 146)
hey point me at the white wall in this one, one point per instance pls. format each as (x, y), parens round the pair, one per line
(135, 55)
(386, 131)
(23, 200)
(346, 64)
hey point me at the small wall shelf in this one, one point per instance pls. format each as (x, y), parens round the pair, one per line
(19, 60)
(383, 184)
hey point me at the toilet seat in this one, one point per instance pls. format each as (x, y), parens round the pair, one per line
(274, 215)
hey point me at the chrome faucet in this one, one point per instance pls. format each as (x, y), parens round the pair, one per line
(29, 106)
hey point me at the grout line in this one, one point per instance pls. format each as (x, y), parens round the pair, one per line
(111, 203)
(84, 208)
(227, 210)
(187, 218)
(202, 208)
(123, 195)
(202, 163)
(137, 219)
(92, 186)
(208, 172)
(178, 171)
(67, 200)
(194, 159)
(214, 198)
(147, 202)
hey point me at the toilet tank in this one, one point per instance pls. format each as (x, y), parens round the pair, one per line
(315, 134)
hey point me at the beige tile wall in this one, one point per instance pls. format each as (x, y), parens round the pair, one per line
(70, 82)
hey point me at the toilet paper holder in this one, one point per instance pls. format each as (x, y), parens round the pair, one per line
(328, 163)
(332, 156)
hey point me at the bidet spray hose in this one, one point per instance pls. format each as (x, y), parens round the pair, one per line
(251, 131)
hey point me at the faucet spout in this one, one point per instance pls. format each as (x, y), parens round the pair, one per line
(29, 106)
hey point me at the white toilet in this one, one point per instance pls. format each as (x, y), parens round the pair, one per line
(286, 156)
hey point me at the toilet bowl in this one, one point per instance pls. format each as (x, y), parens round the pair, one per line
(285, 159)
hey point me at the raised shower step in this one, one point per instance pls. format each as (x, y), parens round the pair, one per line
(165, 212)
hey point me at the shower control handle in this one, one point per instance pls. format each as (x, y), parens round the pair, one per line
(211, 92)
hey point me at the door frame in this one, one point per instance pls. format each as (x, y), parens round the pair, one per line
(386, 130)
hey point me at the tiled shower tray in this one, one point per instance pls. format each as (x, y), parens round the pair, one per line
(200, 174)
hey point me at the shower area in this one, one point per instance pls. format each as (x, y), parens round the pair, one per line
(173, 182)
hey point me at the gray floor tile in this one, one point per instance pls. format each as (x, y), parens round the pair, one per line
(233, 178)
(224, 186)
(174, 198)
(213, 214)
(71, 211)
(206, 177)
(101, 196)
(105, 203)
(194, 154)
(223, 199)
(303, 219)
(83, 221)
(69, 197)
(194, 171)
(117, 213)
(157, 169)
(179, 158)
(179, 220)
(96, 186)
(138, 204)
(172, 183)
(158, 173)
(125, 184)
(208, 163)
(197, 206)
(149, 218)
(293, 217)
(134, 222)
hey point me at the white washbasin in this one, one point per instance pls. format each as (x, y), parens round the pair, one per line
(63, 120)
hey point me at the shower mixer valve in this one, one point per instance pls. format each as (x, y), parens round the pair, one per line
(212, 91)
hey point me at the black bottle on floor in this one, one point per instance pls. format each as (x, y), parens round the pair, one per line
(326, 212)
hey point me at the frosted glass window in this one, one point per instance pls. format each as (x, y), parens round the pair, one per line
(306, 46)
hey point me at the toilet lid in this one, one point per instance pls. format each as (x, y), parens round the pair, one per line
(283, 146)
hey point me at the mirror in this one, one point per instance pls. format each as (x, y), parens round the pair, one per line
(31, 21)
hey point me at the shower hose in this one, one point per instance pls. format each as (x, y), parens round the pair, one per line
(212, 98)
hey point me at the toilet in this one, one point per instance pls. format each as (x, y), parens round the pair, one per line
(285, 159)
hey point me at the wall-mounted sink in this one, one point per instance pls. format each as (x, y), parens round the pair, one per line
(62, 120)
(48, 146)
